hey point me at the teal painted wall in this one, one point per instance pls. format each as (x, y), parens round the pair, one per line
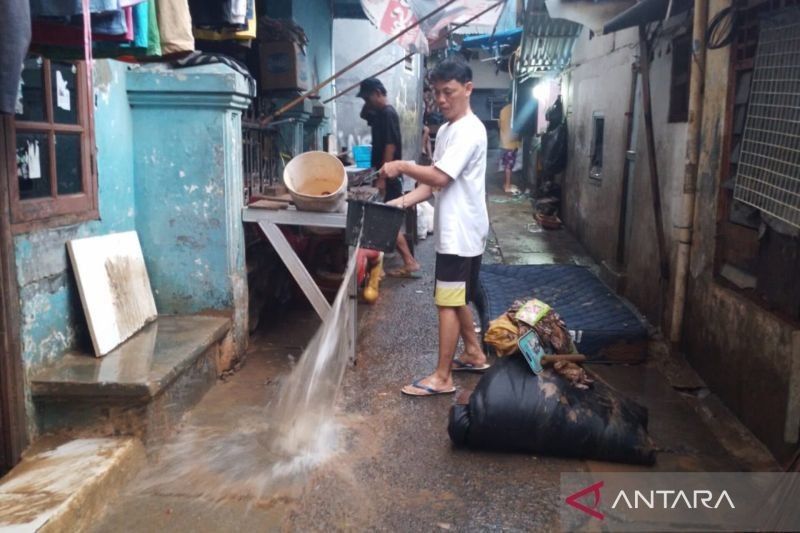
(169, 169)
(52, 317)
(189, 188)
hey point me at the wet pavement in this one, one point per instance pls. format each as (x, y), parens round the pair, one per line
(395, 469)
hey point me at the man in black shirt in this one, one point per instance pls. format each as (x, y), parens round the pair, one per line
(386, 146)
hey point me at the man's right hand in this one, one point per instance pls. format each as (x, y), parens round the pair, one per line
(397, 202)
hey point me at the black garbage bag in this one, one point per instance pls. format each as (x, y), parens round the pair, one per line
(512, 409)
(554, 149)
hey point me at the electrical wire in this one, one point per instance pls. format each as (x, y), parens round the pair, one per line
(720, 29)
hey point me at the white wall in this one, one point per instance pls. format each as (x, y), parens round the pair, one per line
(484, 76)
(600, 82)
(404, 88)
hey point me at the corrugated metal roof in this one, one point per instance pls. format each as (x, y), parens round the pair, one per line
(547, 43)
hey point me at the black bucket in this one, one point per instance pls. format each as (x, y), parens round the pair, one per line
(382, 223)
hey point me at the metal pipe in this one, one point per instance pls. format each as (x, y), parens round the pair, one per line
(358, 61)
(688, 212)
(436, 41)
(629, 140)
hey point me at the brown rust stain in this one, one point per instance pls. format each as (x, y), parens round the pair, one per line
(128, 281)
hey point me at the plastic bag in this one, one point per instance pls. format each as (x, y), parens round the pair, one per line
(503, 335)
(424, 219)
(513, 409)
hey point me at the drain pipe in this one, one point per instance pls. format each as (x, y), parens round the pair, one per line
(689, 202)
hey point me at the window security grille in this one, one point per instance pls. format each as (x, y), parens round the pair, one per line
(768, 176)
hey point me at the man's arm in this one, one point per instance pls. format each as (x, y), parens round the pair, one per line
(420, 194)
(426, 175)
(388, 153)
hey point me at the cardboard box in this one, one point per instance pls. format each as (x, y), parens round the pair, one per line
(284, 66)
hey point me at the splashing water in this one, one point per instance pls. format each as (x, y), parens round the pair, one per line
(307, 397)
(273, 447)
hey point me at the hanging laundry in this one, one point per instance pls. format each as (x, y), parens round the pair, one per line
(15, 36)
(221, 15)
(69, 8)
(175, 26)
(153, 33)
(63, 38)
(247, 33)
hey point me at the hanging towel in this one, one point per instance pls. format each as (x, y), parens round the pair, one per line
(153, 34)
(175, 26)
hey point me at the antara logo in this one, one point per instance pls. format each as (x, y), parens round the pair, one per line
(591, 511)
(661, 499)
(674, 499)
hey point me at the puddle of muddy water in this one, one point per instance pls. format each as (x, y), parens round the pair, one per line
(268, 449)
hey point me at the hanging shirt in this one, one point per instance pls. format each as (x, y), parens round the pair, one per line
(175, 26)
(461, 219)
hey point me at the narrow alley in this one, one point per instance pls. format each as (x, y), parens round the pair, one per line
(395, 468)
(399, 265)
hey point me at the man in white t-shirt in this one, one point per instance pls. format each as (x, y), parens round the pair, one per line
(457, 180)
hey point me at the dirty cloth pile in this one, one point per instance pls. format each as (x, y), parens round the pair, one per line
(514, 410)
(505, 331)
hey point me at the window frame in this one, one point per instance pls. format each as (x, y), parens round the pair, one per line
(680, 81)
(595, 151)
(54, 210)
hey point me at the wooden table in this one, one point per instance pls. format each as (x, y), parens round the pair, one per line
(269, 220)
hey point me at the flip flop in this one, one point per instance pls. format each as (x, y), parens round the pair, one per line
(404, 273)
(461, 366)
(424, 390)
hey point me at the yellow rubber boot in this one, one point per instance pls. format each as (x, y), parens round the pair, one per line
(375, 275)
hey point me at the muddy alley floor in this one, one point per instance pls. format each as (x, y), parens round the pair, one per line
(394, 468)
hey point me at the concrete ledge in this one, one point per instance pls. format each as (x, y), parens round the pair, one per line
(66, 485)
(141, 367)
(141, 389)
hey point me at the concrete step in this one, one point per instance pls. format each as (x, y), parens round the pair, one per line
(142, 388)
(65, 485)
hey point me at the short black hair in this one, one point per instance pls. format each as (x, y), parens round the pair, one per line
(369, 86)
(452, 69)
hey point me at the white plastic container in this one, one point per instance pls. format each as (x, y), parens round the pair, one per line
(316, 181)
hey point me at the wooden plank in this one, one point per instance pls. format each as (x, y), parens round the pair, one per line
(114, 287)
(296, 267)
(13, 433)
(284, 198)
(268, 204)
(292, 216)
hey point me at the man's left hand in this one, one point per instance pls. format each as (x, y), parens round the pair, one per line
(392, 169)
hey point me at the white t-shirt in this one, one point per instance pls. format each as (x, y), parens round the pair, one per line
(461, 219)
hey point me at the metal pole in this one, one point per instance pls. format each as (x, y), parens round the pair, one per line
(689, 205)
(437, 41)
(349, 67)
(655, 189)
